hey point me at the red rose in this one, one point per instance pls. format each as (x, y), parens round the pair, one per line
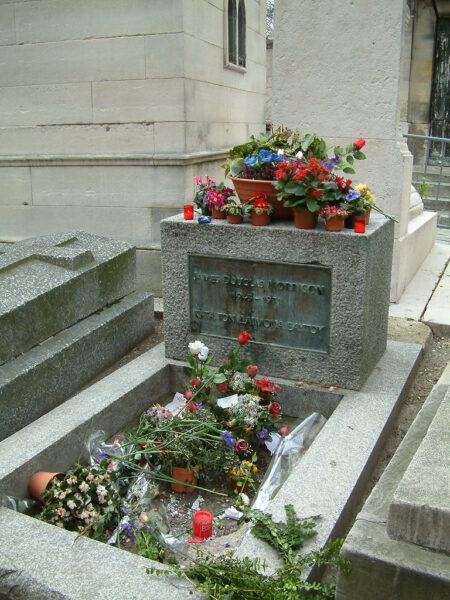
(188, 394)
(264, 384)
(359, 143)
(276, 388)
(222, 387)
(143, 444)
(244, 337)
(195, 382)
(241, 445)
(191, 407)
(252, 370)
(284, 430)
(274, 409)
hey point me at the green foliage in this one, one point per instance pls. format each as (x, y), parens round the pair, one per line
(149, 547)
(423, 189)
(225, 578)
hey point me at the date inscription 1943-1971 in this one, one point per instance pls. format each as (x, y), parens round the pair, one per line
(280, 303)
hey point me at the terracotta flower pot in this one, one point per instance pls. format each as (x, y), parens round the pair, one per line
(40, 481)
(185, 477)
(235, 219)
(304, 219)
(260, 220)
(247, 188)
(334, 224)
(217, 213)
(368, 209)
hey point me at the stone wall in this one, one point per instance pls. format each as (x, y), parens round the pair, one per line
(108, 108)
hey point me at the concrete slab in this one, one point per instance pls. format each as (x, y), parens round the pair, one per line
(384, 568)
(437, 314)
(46, 375)
(406, 330)
(343, 453)
(50, 283)
(414, 299)
(420, 509)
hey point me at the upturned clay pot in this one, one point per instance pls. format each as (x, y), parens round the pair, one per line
(40, 481)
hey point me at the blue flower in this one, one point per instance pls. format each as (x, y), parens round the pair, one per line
(228, 439)
(129, 531)
(352, 195)
(331, 164)
(102, 454)
(262, 435)
(266, 155)
(250, 160)
(199, 405)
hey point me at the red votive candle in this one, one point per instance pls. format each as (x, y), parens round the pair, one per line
(360, 224)
(202, 522)
(188, 212)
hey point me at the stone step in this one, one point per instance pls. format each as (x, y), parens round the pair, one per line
(49, 283)
(419, 512)
(42, 378)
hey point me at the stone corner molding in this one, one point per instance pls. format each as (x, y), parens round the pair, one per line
(93, 160)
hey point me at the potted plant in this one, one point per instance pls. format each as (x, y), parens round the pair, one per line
(216, 198)
(354, 205)
(334, 217)
(202, 192)
(234, 211)
(260, 210)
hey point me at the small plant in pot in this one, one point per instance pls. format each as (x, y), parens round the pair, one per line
(367, 198)
(216, 198)
(354, 205)
(334, 217)
(234, 211)
(201, 193)
(260, 210)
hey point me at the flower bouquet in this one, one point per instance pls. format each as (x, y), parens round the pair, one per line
(210, 195)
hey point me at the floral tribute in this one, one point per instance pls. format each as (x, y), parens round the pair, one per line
(210, 193)
(259, 205)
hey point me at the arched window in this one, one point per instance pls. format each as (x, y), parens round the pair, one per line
(235, 53)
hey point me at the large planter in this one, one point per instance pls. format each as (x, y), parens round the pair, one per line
(334, 224)
(304, 219)
(247, 188)
(235, 219)
(217, 213)
(185, 477)
(40, 481)
(260, 220)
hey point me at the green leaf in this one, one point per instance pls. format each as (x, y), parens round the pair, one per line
(219, 378)
(312, 205)
(349, 148)
(359, 155)
(338, 150)
(236, 167)
(348, 170)
(298, 189)
(350, 159)
(306, 141)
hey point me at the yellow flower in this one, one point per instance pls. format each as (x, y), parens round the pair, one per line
(255, 470)
(247, 463)
(232, 472)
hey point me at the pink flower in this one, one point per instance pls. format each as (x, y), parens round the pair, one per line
(198, 180)
(274, 409)
(241, 445)
(210, 179)
(188, 394)
(276, 388)
(284, 430)
(195, 382)
(252, 370)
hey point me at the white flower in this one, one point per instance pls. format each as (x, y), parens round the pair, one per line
(101, 500)
(101, 490)
(83, 487)
(299, 155)
(196, 347)
(280, 152)
(244, 499)
(203, 354)
(71, 504)
(72, 480)
(90, 477)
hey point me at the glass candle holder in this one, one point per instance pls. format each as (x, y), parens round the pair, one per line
(188, 212)
(360, 224)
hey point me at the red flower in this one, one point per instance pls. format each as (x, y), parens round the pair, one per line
(348, 183)
(143, 444)
(274, 409)
(252, 370)
(222, 387)
(227, 361)
(316, 193)
(276, 388)
(264, 384)
(191, 407)
(241, 445)
(244, 337)
(284, 430)
(195, 382)
(188, 394)
(359, 143)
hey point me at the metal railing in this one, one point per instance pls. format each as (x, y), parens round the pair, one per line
(432, 173)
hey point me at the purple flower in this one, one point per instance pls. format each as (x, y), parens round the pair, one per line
(105, 454)
(129, 531)
(352, 195)
(331, 164)
(262, 435)
(228, 439)
(199, 405)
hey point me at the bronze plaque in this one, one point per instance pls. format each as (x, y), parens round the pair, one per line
(281, 304)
